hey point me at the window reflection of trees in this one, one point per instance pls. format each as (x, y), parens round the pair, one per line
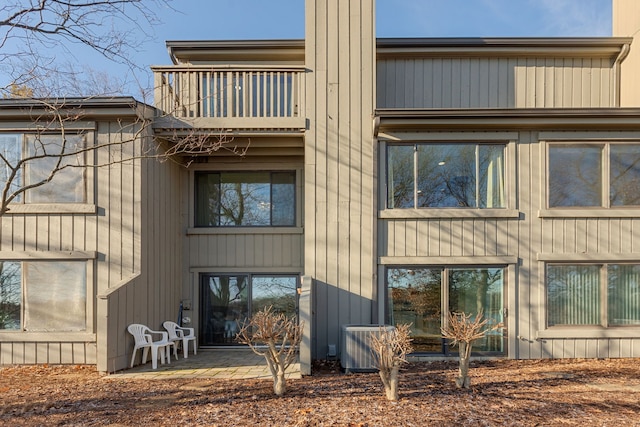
(228, 301)
(10, 294)
(446, 175)
(416, 297)
(245, 199)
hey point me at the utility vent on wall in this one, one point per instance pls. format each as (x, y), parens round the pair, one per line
(355, 350)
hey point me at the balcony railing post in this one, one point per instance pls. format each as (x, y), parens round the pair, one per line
(195, 91)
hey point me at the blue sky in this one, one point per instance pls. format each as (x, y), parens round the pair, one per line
(284, 19)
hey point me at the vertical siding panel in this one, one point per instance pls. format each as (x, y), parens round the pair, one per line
(531, 76)
(592, 234)
(456, 83)
(603, 348)
(419, 89)
(614, 234)
(468, 238)
(55, 233)
(42, 232)
(502, 237)
(53, 356)
(493, 84)
(607, 76)
(382, 82)
(456, 238)
(505, 83)
(437, 83)
(434, 238)
(31, 238)
(409, 82)
(492, 241)
(66, 353)
(79, 353)
(474, 82)
(485, 68)
(549, 83)
(30, 353)
(445, 237)
(520, 83)
(465, 83)
(426, 69)
(581, 235)
(595, 89)
(567, 83)
(41, 352)
(19, 351)
(626, 348)
(626, 236)
(66, 233)
(540, 86)
(411, 238)
(479, 237)
(422, 238)
(447, 83)
(558, 348)
(591, 348)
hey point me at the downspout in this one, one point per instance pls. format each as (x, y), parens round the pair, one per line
(617, 72)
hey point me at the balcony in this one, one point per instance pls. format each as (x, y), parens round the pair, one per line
(234, 98)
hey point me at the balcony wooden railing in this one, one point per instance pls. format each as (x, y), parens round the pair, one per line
(232, 97)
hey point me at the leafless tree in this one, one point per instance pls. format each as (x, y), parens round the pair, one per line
(390, 348)
(463, 331)
(275, 337)
(41, 161)
(34, 34)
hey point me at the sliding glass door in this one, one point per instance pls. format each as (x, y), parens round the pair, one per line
(228, 300)
(422, 296)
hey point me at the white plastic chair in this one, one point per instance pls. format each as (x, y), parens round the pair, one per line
(178, 333)
(143, 339)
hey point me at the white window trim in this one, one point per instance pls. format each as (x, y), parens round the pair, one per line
(509, 139)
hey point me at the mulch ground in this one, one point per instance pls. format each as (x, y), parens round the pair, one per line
(503, 393)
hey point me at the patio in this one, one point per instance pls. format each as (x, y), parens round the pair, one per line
(231, 363)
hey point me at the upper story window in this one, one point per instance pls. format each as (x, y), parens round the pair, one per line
(40, 155)
(235, 199)
(593, 294)
(594, 175)
(446, 175)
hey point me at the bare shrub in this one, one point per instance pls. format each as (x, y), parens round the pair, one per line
(390, 348)
(462, 331)
(275, 337)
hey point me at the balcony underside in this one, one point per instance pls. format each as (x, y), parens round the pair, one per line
(230, 125)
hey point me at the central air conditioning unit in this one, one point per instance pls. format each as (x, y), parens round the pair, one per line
(355, 350)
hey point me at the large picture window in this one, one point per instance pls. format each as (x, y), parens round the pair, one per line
(422, 296)
(43, 153)
(446, 175)
(228, 199)
(43, 296)
(594, 175)
(593, 294)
